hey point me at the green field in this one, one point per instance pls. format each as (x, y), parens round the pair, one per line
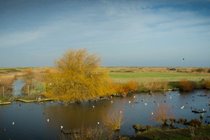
(157, 76)
(139, 74)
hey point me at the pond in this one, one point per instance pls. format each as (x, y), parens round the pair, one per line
(43, 120)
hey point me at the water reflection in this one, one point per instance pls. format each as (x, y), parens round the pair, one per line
(77, 115)
(43, 121)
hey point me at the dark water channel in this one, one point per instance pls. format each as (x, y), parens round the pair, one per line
(43, 120)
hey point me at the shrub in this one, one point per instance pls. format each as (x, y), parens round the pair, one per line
(186, 86)
(78, 77)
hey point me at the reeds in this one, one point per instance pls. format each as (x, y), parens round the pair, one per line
(114, 121)
(162, 113)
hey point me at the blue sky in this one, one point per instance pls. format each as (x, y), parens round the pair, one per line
(121, 32)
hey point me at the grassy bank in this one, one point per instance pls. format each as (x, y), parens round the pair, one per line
(192, 133)
(125, 80)
(162, 79)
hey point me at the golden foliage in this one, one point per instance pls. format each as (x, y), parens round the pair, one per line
(78, 77)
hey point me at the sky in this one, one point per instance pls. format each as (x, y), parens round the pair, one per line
(120, 32)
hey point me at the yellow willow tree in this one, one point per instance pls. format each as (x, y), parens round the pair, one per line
(78, 76)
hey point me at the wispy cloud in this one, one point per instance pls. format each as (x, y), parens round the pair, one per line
(19, 38)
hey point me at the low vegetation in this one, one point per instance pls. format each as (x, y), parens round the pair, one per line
(153, 86)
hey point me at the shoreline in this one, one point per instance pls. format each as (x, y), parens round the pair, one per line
(39, 100)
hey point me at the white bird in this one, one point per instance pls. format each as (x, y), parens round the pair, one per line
(203, 109)
(134, 96)
(120, 111)
(13, 123)
(39, 98)
(111, 102)
(152, 113)
(145, 104)
(182, 107)
(98, 123)
(61, 126)
(129, 102)
(93, 106)
(48, 120)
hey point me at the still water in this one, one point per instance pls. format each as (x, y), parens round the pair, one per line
(17, 86)
(43, 120)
